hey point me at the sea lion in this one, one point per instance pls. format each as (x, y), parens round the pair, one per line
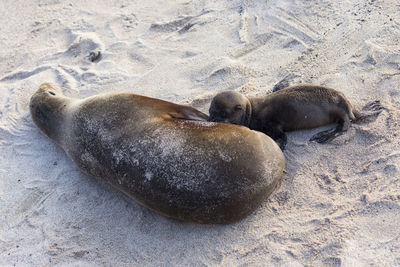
(161, 155)
(297, 107)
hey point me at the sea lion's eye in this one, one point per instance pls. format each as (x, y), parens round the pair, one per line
(238, 107)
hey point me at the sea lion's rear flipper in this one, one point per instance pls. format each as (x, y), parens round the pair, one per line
(188, 113)
(328, 135)
(373, 105)
(369, 112)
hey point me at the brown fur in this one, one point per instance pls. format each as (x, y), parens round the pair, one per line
(162, 155)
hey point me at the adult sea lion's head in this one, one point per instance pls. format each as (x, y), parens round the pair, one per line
(47, 107)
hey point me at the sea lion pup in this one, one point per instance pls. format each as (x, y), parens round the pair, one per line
(297, 107)
(159, 154)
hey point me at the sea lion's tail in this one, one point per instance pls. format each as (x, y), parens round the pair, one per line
(369, 112)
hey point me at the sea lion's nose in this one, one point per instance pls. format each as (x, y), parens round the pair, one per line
(47, 88)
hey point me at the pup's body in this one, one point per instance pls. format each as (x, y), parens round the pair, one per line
(292, 108)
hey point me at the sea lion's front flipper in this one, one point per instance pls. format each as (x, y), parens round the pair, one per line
(187, 113)
(276, 132)
(282, 141)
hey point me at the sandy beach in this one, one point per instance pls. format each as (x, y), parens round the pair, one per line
(338, 203)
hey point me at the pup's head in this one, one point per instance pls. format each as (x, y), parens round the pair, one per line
(230, 107)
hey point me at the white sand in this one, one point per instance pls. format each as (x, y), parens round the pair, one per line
(338, 204)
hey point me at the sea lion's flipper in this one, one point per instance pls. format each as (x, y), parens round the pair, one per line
(284, 83)
(373, 105)
(188, 114)
(369, 112)
(280, 85)
(275, 131)
(328, 135)
(282, 141)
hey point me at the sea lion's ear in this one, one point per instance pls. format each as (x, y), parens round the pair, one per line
(247, 115)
